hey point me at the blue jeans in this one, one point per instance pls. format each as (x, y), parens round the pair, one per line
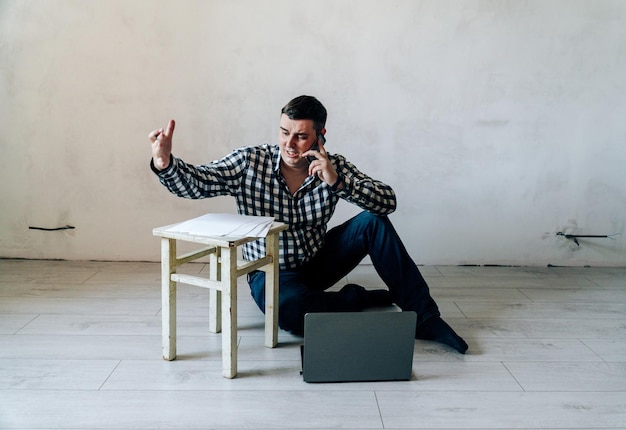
(302, 290)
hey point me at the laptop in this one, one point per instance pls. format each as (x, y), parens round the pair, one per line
(358, 346)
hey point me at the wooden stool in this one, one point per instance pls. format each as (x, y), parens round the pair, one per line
(224, 269)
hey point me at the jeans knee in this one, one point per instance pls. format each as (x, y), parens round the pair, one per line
(369, 218)
(291, 303)
(372, 224)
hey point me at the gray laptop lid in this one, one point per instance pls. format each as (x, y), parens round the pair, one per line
(358, 346)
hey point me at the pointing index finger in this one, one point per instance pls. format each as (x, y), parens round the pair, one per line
(170, 128)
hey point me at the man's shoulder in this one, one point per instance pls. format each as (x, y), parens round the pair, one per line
(338, 159)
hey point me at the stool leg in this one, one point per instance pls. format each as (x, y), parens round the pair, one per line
(229, 312)
(168, 298)
(271, 292)
(215, 296)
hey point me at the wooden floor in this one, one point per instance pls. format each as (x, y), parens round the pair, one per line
(80, 347)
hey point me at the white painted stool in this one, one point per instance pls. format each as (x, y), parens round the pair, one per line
(224, 269)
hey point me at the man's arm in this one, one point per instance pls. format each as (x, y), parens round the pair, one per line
(218, 178)
(358, 188)
(351, 184)
(182, 179)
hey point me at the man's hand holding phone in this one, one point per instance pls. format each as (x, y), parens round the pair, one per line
(320, 141)
(319, 164)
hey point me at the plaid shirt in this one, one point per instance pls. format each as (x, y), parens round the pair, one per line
(252, 176)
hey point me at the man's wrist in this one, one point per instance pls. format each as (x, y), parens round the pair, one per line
(157, 169)
(338, 183)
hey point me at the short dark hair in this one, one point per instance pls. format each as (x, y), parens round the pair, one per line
(307, 107)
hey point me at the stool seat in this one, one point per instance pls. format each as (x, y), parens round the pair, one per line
(224, 269)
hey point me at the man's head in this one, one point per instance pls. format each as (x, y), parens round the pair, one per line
(301, 121)
(307, 107)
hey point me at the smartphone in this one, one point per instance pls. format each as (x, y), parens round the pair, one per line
(321, 140)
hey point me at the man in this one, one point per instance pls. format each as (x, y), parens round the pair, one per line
(299, 183)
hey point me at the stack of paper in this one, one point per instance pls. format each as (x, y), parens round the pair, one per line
(225, 225)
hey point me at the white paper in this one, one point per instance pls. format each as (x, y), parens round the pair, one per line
(225, 225)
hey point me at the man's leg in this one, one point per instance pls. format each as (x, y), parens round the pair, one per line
(373, 235)
(299, 294)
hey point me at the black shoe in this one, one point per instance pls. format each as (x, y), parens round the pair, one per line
(438, 330)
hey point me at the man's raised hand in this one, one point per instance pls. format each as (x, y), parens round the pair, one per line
(162, 145)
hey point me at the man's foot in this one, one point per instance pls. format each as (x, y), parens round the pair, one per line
(438, 330)
(370, 298)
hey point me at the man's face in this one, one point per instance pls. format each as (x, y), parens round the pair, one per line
(296, 136)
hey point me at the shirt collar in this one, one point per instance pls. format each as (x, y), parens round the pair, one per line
(276, 159)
